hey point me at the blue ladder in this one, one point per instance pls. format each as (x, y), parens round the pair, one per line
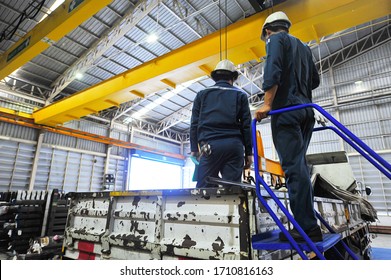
(270, 240)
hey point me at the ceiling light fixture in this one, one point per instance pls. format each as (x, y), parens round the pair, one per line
(128, 120)
(52, 8)
(152, 38)
(79, 75)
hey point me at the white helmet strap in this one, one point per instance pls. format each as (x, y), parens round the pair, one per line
(278, 23)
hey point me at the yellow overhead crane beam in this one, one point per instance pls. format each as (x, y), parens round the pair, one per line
(312, 19)
(60, 22)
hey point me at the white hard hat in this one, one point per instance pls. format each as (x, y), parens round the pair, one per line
(225, 65)
(275, 19)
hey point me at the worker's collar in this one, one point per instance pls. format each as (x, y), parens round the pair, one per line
(222, 82)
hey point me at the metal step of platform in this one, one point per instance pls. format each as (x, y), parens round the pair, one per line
(270, 241)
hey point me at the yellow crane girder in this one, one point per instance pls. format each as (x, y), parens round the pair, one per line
(311, 19)
(60, 22)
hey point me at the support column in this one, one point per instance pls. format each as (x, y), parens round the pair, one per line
(182, 170)
(108, 153)
(128, 167)
(36, 159)
(335, 101)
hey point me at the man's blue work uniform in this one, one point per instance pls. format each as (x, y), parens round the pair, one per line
(289, 65)
(221, 118)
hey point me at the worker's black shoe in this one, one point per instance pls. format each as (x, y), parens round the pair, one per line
(315, 235)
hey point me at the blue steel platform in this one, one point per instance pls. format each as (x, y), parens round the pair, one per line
(270, 241)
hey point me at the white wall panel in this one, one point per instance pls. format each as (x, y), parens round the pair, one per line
(17, 131)
(59, 140)
(69, 171)
(323, 142)
(73, 142)
(118, 168)
(365, 109)
(44, 166)
(91, 146)
(120, 135)
(323, 94)
(15, 165)
(88, 126)
(94, 128)
(64, 162)
(71, 179)
(156, 143)
(366, 173)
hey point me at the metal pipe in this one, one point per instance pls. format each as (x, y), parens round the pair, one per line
(82, 135)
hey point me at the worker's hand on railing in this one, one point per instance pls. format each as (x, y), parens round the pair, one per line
(319, 118)
(262, 112)
(195, 154)
(248, 161)
(195, 158)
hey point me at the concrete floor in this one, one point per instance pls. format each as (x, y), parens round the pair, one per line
(381, 247)
(5, 256)
(381, 240)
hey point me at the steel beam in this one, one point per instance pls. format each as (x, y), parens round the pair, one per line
(175, 118)
(63, 20)
(312, 19)
(373, 40)
(23, 119)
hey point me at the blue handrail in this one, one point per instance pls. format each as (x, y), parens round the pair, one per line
(340, 126)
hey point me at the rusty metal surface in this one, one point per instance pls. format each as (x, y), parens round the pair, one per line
(215, 223)
(87, 218)
(207, 228)
(196, 223)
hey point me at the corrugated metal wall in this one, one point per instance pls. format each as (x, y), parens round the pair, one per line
(158, 143)
(12, 131)
(380, 184)
(64, 162)
(67, 163)
(16, 160)
(118, 167)
(69, 170)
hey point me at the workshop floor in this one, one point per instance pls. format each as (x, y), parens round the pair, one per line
(381, 246)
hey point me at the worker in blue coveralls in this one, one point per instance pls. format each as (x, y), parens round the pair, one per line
(289, 77)
(220, 130)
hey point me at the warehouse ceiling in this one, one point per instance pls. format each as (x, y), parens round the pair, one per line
(128, 33)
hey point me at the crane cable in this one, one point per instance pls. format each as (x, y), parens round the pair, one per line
(225, 31)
